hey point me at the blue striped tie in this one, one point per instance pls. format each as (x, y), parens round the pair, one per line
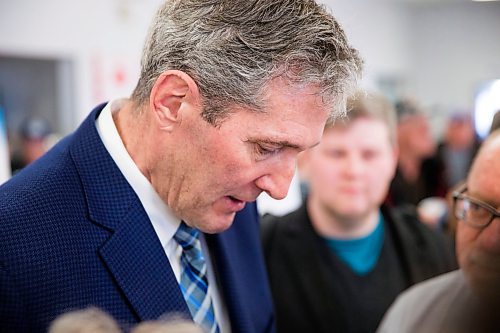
(194, 283)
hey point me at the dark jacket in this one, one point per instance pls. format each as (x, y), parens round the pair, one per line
(299, 266)
(73, 234)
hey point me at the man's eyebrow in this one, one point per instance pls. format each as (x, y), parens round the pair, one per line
(285, 143)
(278, 143)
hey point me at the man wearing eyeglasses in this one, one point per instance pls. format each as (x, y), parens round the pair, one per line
(466, 300)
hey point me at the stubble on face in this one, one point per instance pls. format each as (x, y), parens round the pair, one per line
(207, 179)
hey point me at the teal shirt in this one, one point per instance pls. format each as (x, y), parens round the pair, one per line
(360, 254)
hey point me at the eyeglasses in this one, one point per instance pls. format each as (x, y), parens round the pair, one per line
(473, 212)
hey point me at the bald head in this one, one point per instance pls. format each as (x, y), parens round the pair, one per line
(485, 171)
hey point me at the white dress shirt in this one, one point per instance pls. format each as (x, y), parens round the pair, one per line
(164, 222)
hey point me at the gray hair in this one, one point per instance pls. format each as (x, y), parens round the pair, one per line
(233, 48)
(373, 106)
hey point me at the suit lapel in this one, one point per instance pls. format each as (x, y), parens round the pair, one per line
(133, 254)
(219, 246)
(240, 270)
(135, 258)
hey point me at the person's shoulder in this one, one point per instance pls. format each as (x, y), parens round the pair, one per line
(420, 301)
(271, 219)
(414, 233)
(403, 217)
(274, 227)
(269, 223)
(431, 293)
(406, 217)
(289, 220)
(37, 187)
(435, 287)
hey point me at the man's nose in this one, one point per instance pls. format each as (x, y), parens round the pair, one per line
(354, 165)
(276, 181)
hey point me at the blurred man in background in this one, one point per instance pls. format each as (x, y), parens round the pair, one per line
(458, 148)
(417, 175)
(337, 263)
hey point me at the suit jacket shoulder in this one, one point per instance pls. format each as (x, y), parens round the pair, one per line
(425, 253)
(73, 233)
(273, 228)
(441, 304)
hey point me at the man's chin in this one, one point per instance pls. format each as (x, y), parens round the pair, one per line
(484, 281)
(217, 224)
(353, 215)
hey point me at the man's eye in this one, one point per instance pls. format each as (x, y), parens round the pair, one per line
(477, 210)
(335, 153)
(266, 150)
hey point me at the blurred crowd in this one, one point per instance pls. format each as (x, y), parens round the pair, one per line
(417, 186)
(34, 137)
(429, 169)
(379, 214)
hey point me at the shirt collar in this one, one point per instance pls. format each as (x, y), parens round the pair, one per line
(161, 217)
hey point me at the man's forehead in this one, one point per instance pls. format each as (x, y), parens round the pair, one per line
(488, 158)
(280, 87)
(484, 176)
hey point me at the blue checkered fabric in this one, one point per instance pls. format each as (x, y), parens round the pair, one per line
(194, 283)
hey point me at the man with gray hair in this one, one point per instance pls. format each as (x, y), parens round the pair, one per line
(133, 213)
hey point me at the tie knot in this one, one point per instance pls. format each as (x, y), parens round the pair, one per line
(186, 236)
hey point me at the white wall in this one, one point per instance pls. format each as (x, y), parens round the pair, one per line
(456, 48)
(437, 51)
(444, 50)
(440, 52)
(102, 38)
(379, 30)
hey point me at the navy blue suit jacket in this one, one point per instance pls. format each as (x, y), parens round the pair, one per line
(74, 234)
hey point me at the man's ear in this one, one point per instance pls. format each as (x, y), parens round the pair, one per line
(172, 93)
